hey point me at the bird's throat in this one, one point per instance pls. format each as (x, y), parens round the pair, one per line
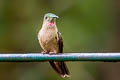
(51, 24)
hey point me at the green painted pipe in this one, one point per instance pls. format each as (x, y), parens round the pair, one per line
(37, 57)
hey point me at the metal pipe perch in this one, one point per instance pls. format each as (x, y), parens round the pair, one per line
(37, 57)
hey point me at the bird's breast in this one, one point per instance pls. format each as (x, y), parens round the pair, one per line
(47, 39)
(48, 35)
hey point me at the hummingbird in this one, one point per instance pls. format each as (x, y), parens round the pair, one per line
(51, 42)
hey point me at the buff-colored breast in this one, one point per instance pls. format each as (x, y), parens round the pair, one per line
(47, 39)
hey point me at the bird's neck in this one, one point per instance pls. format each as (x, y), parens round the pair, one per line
(49, 30)
(49, 25)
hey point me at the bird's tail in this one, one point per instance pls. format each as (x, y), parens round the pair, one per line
(60, 67)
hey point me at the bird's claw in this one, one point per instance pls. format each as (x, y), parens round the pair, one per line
(52, 53)
(44, 52)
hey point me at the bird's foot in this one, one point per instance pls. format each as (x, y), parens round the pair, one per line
(44, 52)
(52, 53)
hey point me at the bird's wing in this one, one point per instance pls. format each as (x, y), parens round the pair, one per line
(59, 66)
(60, 42)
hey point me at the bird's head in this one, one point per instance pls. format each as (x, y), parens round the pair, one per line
(50, 19)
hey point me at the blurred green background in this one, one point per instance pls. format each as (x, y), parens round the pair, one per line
(86, 26)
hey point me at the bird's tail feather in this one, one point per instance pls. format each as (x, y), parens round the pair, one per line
(60, 67)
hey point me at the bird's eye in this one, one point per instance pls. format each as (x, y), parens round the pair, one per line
(46, 17)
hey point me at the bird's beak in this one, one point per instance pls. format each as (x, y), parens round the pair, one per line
(56, 17)
(53, 19)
